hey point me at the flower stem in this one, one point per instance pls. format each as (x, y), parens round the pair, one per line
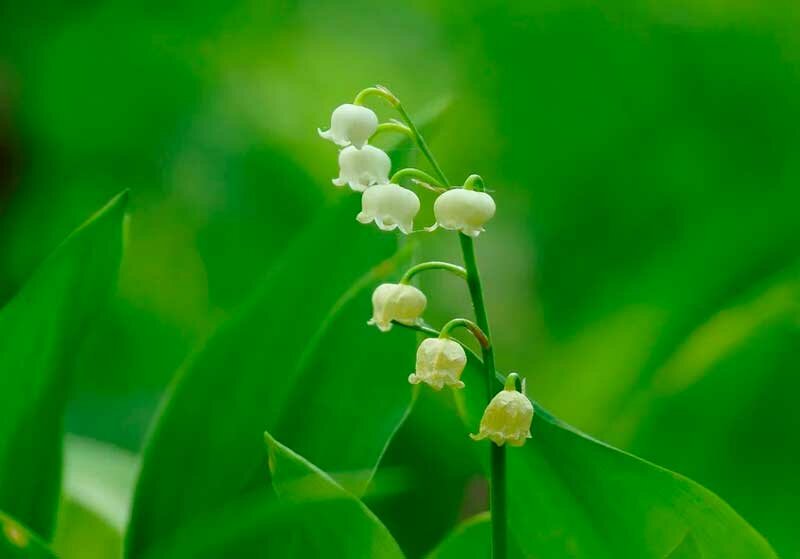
(434, 265)
(386, 127)
(474, 182)
(473, 328)
(412, 173)
(497, 484)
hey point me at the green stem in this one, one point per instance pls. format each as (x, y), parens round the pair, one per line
(473, 328)
(474, 182)
(377, 91)
(497, 484)
(411, 172)
(434, 265)
(498, 458)
(385, 127)
(511, 381)
(423, 145)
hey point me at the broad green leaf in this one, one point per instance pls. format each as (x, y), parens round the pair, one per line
(308, 515)
(341, 524)
(18, 542)
(274, 367)
(352, 394)
(471, 538)
(441, 471)
(572, 495)
(711, 343)
(39, 331)
(732, 427)
(686, 549)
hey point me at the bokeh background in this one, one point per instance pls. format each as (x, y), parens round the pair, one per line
(643, 270)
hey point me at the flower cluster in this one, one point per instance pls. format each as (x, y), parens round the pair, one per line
(366, 169)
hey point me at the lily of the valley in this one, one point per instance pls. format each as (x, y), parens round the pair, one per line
(361, 168)
(507, 418)
(463, 210)
(390, 206)
(351, 124)
(440, 362)
(396, 301)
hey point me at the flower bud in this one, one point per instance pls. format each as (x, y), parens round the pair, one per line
(507, 418)
(361, 168)
(390, 206)
(396, 301)
(463, 210)
(351, 124)
(440, 362)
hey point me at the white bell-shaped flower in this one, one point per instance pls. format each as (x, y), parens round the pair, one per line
(463, 210)
(361, 168)
(440, 362)
(390, 206)
(396, 301)
(351, 124)
(507, 418)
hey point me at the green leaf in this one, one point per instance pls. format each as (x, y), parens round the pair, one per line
(39, 331)
(340, 523)
(308, 515)
(18, 542)
(342, 411)
(613, 503)
(746, 375)
(471, 538)
(273, 367)
(441, 471)
(333, 524)
(686, 549)
(571, 495)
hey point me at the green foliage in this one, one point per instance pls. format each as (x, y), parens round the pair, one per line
(616, 505)
(471, 538)
(336, 524)
(40, 329)
(312, 516)
(641, 271)
(641, 510)
(195, 464)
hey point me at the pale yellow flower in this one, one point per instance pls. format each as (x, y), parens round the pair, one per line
(507, 418)
(440, 362)
(396, 301)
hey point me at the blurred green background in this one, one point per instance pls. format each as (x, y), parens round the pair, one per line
(643, 270)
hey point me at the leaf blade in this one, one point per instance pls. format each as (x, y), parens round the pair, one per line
(293, 476)
(38, 330)
(245, 378)
(572, 495)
